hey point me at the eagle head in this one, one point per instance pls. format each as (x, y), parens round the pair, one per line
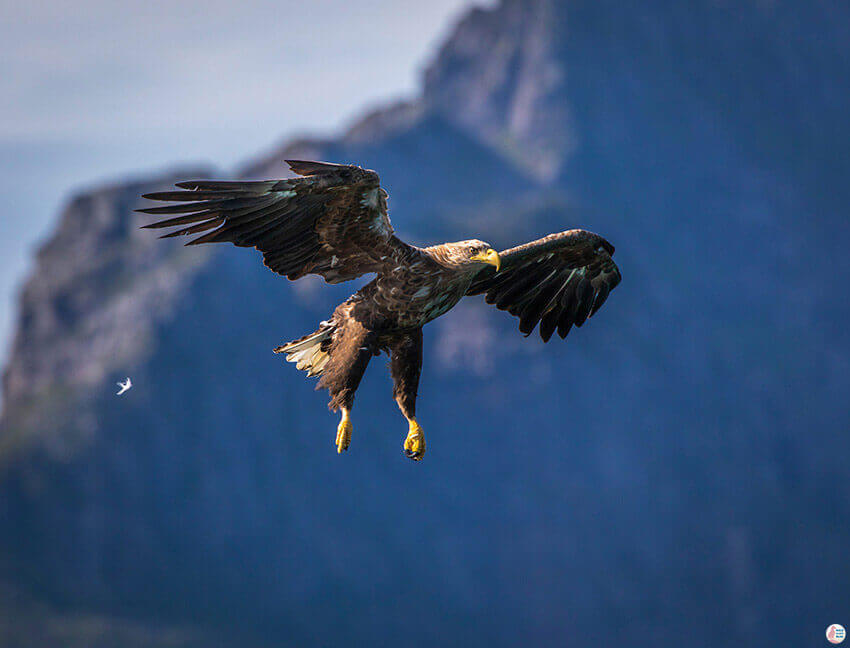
(473, 254)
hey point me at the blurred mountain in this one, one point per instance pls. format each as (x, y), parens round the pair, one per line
(674, 469)
(26, 622)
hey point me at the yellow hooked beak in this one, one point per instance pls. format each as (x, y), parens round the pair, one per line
(489, 256)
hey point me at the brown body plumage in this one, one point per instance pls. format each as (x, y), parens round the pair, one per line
(333, 222)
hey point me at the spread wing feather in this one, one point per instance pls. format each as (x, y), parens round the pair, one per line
(557, 281)
(332, 221)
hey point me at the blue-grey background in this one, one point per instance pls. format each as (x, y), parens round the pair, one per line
(98, 89)
(674, 471)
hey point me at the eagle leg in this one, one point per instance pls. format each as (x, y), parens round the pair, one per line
(343, 432)
(405, 366)
(348, 356)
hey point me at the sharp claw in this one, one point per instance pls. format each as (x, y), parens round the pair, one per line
(343, 433)
(414, 444)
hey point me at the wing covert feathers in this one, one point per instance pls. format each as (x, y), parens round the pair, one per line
(332, 221)
(558, 281)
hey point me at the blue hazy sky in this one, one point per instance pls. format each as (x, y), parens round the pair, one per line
(98, 90)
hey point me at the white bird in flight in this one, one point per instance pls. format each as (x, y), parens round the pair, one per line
(124, 386)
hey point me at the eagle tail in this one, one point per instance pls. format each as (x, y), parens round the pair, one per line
(311, 352)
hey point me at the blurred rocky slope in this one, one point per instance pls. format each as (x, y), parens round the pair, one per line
(673, 469)
(26, 622)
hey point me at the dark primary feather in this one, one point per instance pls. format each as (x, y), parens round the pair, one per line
(332, 222)
(557, 281)
(311, 167)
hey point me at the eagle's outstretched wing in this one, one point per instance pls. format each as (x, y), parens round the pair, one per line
(559, 280)
(332, 222)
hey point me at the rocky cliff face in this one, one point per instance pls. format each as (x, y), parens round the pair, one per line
(512, 96)
(89, 311)
(674, 469)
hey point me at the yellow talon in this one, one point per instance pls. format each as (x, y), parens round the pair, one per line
(343, 432)
(414, 444)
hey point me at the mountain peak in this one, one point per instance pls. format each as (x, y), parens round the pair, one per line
(498, 76)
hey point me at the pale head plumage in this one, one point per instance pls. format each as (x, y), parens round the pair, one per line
(472, 254)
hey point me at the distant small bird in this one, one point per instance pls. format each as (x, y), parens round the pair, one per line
(332, 221)
(124, 386)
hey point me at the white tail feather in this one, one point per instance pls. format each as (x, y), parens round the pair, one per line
(307, 352)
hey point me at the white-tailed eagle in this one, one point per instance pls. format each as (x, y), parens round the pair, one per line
(332, 221)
